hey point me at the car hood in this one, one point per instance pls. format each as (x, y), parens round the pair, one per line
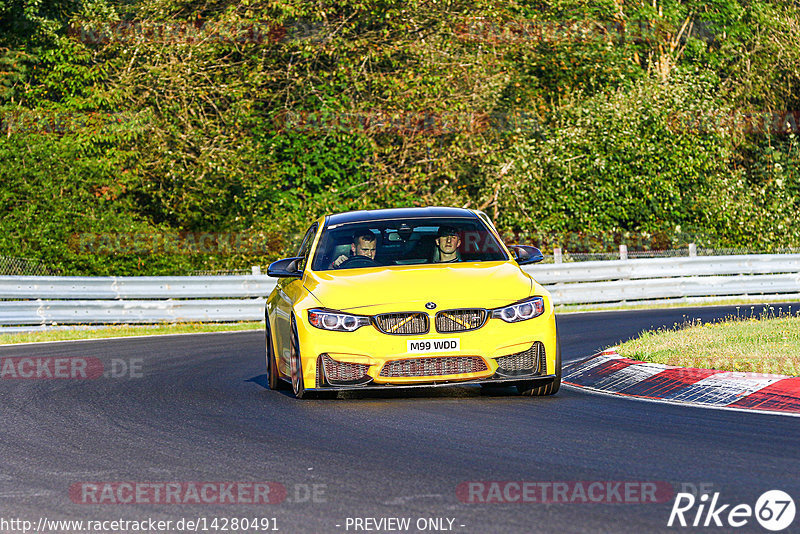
(407, 288)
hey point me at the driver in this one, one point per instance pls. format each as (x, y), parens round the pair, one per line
(364, 244)
(447, 243)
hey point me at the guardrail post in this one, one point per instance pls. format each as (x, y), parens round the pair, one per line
(692, 250)
(256, 269)
(623, 255)
(557, 255)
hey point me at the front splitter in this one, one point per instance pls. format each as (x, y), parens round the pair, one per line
(445, 383)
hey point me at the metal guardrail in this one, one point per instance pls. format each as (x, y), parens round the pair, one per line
(134, 287)
(49, 300)
(51, 312)
(57, 300)
(656, 279)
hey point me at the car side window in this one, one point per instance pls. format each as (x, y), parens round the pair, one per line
(305, 247)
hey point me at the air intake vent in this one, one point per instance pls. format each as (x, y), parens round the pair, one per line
(441, 366)
(460, 320)
(402, 323)
(529, 362)
(343, 373)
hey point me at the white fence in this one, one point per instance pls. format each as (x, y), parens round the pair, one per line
(656, 279)
(45, 300)
(48, 300)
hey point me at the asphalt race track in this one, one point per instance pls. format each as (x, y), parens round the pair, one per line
(196, 409)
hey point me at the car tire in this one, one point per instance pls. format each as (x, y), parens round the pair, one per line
(298, 387)
(274, 380)
(548, 389)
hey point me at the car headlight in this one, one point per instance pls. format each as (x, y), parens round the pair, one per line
(340, 322)
(520, 311)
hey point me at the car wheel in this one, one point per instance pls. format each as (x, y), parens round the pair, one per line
(297, 365)
(548, 389)
(275, 382)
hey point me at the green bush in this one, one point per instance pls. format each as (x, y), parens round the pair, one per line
(647, 161)
(622, 136)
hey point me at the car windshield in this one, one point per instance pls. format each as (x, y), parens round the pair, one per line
(406, 242)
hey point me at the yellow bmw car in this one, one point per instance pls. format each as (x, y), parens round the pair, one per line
(412, 297)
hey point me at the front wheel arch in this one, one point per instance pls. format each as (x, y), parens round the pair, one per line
(274, 379)
(550, 388)
(298, 383)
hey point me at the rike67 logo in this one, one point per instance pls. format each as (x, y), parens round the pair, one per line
(774, 510)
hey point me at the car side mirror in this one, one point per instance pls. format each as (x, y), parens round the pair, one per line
(285, 268)
(525, 255)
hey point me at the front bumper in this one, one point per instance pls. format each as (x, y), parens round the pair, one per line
(492, 381)
(373, 352)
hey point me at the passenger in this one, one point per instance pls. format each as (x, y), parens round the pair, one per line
(447, 243)
(364, 244)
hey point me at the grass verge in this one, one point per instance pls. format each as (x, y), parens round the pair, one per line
(124, 331)
(744, 303)
(756, 345)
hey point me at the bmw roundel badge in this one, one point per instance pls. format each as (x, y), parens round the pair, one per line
(430, 305)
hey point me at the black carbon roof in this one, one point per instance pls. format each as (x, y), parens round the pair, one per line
(397, 213)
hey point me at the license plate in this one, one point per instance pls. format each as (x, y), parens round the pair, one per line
(418, 346)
